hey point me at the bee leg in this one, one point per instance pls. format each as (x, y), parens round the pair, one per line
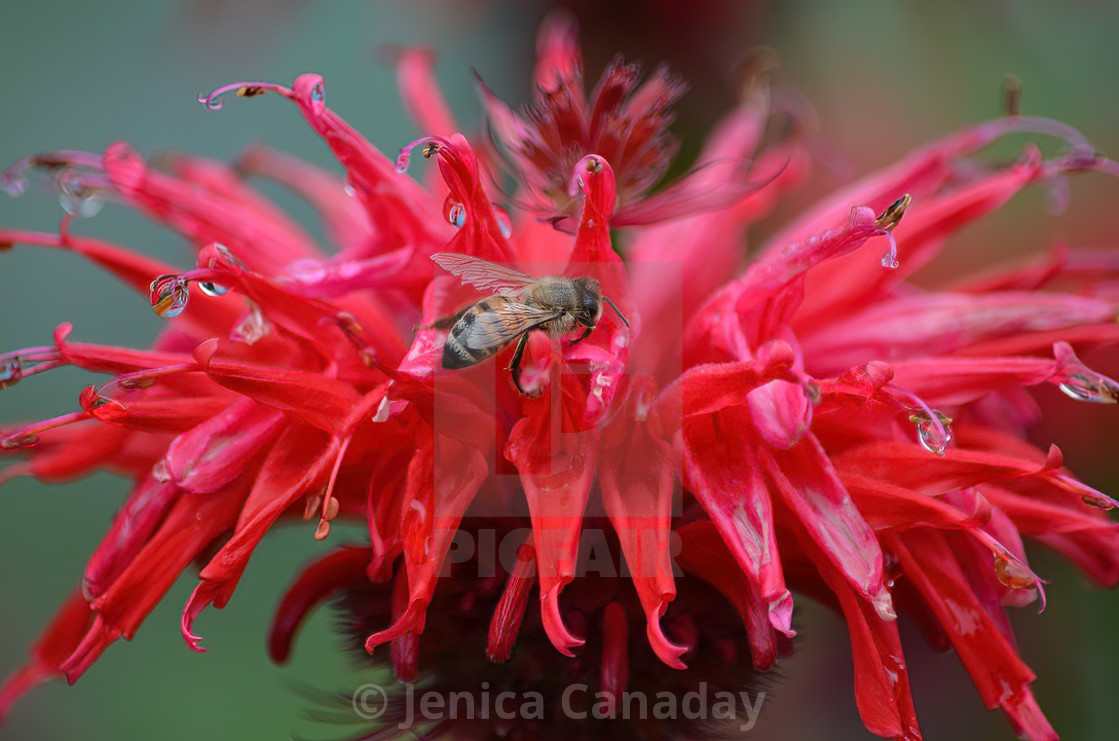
(615, 308)
(585, 335)
(515, 364)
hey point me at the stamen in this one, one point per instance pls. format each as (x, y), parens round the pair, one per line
(29, 436)
(214, 101)
(14, 367)
(886, 221)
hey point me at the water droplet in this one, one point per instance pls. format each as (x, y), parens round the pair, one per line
(890, 260)
(225, 255)
(161, 472)
(169, 295)
(11, 371)
(934, 432)
(251, 328)
(76, 197)
(349, 190)
(25, 440)
(1083, 384)
(82, 207)
(403, 159)
(1097, 502)
(503, 221)
(318, 94)
(212, 289)
(454, 212)
(134, 383)
(1013, 573)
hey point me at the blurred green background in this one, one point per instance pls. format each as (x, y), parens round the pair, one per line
(883, 78)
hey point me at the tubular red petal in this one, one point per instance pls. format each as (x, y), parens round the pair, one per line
(420, 92)
(722, 470)
(556, 467)
(317, 582)
(882, 689)
(636, 476)
(210, 455)
(510, 610)
(298, 463)
(132, 527)
(704, 553)
(941, 324)
(189, 528)
(313, 397)
(999, 674)
(442, 480)
(807, 484)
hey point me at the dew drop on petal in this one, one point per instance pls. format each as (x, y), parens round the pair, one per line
(890, 260)
(1083, 384)
(318, 94)
(226, 255)
(210, 288)
(14, 442)
(83, 207)
(403, 159)
(1012, 573)
(1097, 502)
(169, 295)
(11, 371)
(454, 212)
(349, 190)
(134, 383)
(933, 432)
(503, 221)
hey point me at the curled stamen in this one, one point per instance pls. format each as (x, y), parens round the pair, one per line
(886, 221)
(16, 366)
(214, 101)
(145, 379)
(29, 436)
(429, 147)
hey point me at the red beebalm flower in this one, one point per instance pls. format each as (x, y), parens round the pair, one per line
(836, 431)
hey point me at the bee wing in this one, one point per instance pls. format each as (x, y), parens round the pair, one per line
(483, 274)
(508, 321)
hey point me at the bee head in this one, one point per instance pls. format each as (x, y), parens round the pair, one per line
(588, 298)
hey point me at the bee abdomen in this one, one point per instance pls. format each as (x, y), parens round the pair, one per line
(456, 355)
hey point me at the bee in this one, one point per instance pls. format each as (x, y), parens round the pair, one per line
(520, 304)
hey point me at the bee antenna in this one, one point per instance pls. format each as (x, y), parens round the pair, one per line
(615, 308)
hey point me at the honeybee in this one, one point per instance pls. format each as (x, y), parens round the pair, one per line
(555, 305)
